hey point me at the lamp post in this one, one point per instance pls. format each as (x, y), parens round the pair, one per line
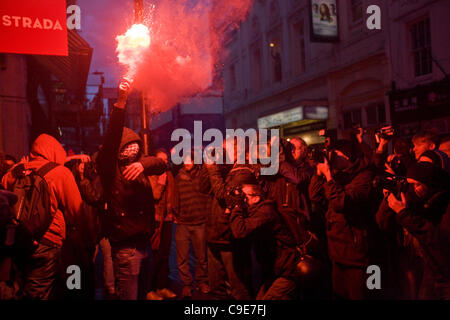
(139, 18)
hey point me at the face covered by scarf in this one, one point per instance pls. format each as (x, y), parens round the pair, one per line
(129, 153)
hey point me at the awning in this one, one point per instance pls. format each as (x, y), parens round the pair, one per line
(73, 69)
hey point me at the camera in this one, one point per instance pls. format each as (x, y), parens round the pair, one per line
(394, 184)
(318, 155)
(386, 133)
(235, 197)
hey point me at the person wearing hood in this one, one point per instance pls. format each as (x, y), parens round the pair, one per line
(40, 269)
(130, 218)
(347, 185)
(424, 212)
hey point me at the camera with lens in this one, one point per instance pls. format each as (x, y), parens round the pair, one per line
(235, 197)
(394, 184)
(386, 133)
(318, 155)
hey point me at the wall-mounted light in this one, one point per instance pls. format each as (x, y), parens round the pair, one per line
(272, 45)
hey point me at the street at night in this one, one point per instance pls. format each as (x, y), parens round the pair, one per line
(216, 155)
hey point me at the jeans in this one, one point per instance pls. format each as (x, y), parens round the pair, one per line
(222, 265)
(108, 270)
(40, 272)
(127, 267)
(184, 236)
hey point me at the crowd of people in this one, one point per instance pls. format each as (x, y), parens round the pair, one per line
(309, 232)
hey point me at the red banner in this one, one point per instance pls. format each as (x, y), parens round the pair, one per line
(33, 27)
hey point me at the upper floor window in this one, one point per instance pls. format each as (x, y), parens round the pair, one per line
(356, 11)
(421, 47)
(376, 114)
(299, 52)
(351, 118)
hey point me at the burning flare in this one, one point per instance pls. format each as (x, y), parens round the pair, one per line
(131, 47)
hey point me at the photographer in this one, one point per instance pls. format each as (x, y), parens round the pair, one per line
(424, 212)
(256, 219)
(347, 186)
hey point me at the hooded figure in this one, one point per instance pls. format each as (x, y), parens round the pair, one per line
(130, 219)
(41, 267)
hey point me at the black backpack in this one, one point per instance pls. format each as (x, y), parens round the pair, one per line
(33, 214)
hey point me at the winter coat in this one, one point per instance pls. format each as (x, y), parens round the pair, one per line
(165, 196)
(274, 245)
(130, 218)
(290, 187)
(350, 216)
(217, 180)
(65, 197)
(430, 225)
(194, 206)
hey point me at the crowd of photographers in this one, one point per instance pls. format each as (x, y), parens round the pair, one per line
(309, 232)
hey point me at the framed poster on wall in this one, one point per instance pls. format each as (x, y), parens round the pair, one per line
(324, 20)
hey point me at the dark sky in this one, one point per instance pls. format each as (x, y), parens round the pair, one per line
(101, 22)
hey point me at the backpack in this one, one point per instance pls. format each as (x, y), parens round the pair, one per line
(32, 210)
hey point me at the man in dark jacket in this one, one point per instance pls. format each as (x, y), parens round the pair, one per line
(425, 214)
(348, 188)
(275, 248)
(123, 170)
(224, 253)
(193, 208)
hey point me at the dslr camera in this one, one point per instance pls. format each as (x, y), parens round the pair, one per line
(394, 184)
(235, 197)
(386, 133)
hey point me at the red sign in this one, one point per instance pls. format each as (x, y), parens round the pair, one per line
(33, 27)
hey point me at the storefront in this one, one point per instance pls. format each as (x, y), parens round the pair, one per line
(424, 107)
(304, 121)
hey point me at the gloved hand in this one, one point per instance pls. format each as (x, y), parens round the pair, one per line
(124, 91)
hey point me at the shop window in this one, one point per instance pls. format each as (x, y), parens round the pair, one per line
(351, 118)
(421, 47)
(356, 11)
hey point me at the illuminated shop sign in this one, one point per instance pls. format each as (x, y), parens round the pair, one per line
(293, 115)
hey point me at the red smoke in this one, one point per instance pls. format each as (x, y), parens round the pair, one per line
(179, 62)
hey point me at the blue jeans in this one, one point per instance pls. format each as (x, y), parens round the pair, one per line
(127, 266)
(184, 236)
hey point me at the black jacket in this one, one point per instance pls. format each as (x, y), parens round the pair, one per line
(274, 245)
(217, 180)
(430, 225)
(350, 216)
(131, 214)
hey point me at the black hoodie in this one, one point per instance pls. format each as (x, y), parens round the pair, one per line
(131, 212)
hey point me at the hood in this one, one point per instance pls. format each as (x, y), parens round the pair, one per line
(128, 136)
(47, 147)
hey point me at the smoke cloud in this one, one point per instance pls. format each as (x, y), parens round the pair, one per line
(179, 62)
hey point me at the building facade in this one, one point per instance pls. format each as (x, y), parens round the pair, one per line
(276, 76)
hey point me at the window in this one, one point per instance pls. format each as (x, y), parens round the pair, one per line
(232, 77)
(356, 11)
(351, 118)
(276, 60)
(376, 114)
(421, 47)
(256, 70)
(299, 52)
